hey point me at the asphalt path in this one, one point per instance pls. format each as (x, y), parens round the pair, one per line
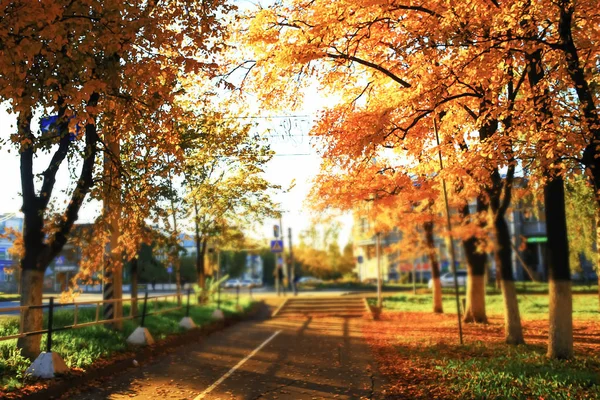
(271, 359)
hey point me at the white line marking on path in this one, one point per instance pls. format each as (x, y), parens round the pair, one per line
(232, 370)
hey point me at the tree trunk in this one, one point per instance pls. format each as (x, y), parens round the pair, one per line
(177, 267)
(32, 284)
(176, 258)
(513, 332)
(40, 248)
(200, 259)
(134, 285)
(560, 332)
(178, 280)
(598, 251)
(435, 268)
(476, 284)
(112, 213)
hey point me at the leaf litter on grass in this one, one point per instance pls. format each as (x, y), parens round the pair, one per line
(419, 355)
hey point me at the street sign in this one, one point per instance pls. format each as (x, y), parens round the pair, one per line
(360, 259)
(276, 246)
(170, 270)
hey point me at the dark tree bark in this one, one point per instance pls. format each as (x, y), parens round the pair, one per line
(201, 245)
(39, 249)
(500, 192)
(435, 268)
(134, 285)
(476, 265)
(560, 332)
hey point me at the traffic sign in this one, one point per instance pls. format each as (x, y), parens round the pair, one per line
(276, 246)
(360, 259)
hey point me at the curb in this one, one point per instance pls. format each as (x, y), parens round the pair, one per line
(279, 308)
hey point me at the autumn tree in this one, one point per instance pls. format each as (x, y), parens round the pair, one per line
(404, 68)
(57, 59)
(223, 177)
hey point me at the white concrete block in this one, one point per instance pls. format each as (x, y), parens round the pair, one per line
(187, 323)
(47, 365)
(140, 337)
(218, 314)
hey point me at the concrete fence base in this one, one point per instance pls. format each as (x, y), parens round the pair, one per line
(218, 314)
(140, 337)
(47, 366)
(187, 323)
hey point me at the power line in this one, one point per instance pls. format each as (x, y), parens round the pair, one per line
(269, 116)
(294, 154)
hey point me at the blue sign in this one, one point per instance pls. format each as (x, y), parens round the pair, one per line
(276, 246)
(360, 259)
(49, 123)
(170, 270)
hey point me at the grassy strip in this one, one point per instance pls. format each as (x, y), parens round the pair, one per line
(9, 297)
(523, 287)
(503, 372)
(81, 347)
(530, 306)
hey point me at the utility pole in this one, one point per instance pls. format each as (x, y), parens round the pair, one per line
(292, 271)
(112, 289)
(283, 266)
(414, 276)
(449, 227)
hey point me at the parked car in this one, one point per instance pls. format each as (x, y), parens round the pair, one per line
(257, 282)
(232, 283)
(309, 280)
(246, 283)
(447, 279)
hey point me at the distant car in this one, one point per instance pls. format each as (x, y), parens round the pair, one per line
(246, 283)
(257, 282)
(232, 283)
(447, 279)
(309, 280)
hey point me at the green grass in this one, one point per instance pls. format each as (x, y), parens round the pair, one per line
(531, 306)
(9, 296)
(497, 371)
(81, 347)
(522, 287)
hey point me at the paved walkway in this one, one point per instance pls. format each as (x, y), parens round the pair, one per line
(273, 359)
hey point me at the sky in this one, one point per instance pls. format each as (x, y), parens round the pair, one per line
(295, 161)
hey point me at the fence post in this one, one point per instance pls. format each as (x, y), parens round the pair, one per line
(187, 308)
(141, 336)
(237, 296)
(218, 297)
(50, 320)
(144, 310)
(186, 322)
(48, 364)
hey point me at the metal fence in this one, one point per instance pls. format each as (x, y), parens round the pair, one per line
(99, 304)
